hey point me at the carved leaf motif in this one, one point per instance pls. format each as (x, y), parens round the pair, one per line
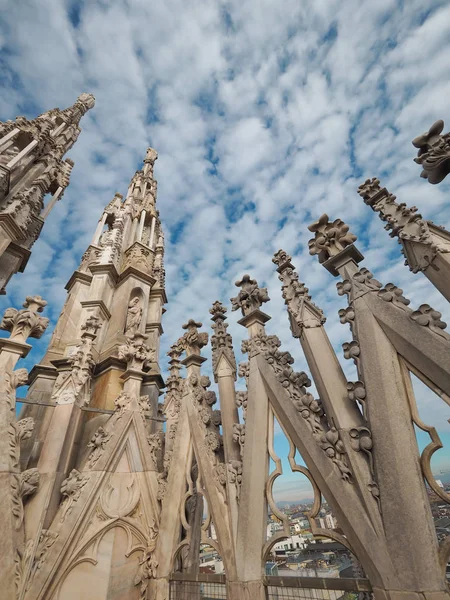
(426, 316)
(71, 490)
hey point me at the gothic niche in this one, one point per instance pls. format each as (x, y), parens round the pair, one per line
(134, 312)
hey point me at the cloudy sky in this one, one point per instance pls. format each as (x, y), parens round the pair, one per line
(265, 114)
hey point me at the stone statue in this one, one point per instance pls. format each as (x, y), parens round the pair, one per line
(134, 315)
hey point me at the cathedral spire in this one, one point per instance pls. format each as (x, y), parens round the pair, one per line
(32, 166)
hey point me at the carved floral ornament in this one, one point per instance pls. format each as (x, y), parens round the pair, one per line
(136, 352)
(97, 445)
(26, 322)
(71, 490)
(193, 341)
(330, 238)
(250, 297)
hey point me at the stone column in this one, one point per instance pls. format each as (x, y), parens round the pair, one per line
(152, 232)
(141, 226)
(252, 523)
(99, 229)
(14, 485)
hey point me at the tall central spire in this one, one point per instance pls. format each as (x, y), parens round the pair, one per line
(120, 282)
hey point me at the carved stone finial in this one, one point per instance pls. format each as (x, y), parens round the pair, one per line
(136, 352)
(434, 153)
(281, 258)
(369, 189)
(26, 322)
(88, 100)
(304, 313)
(35, 303)
(251, 297)
(193, 341)
(330, 238)
(221, 341)
(151, 156)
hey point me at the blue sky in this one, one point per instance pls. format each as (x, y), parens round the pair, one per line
(264, 114)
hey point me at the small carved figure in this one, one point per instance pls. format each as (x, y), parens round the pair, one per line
(134, 315)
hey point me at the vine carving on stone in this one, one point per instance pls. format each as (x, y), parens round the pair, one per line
(97, 445)
(241, 402)
(70, 490)
(148, 564)
(22, 485)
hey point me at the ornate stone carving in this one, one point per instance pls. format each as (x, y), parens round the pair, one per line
(357, 393)
(134, 315)
(22, 485)
(193, 341)
(220, 473)
(136, 352)
(69, 385)
(241, 402)
(346, 315)
(239, 436)
(70, 490)
(296, 297)
(250, 297)
(434, 153)
(221, 341)
(25, 555)
(426, 316)
(97, 445)
(244, 371)
(361, 441)
(148, 564)
(351, 350)
(404, 222)
(137, 256)
(155, 443)
(24, 428)
(13, 380)
(122, 403)
(394, 294)
(330, 238)
(310, 409)
(26, 322)
(235, 475)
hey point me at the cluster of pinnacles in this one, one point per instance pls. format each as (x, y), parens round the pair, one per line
(107, 493)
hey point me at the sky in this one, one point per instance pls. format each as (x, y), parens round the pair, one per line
(265, 115)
